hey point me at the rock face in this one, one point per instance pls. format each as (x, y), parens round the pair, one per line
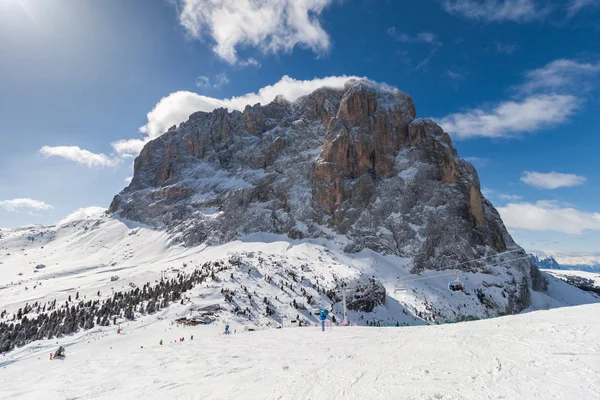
(545, 262)
(368, 298)
(352, 162)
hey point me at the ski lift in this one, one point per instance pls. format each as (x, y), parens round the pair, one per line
(456, 285)
(400, 287)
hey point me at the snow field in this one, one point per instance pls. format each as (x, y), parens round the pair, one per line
(537, 355)
(541, 355)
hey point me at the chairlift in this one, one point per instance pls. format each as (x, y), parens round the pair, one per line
(400, 287)
(456, 285)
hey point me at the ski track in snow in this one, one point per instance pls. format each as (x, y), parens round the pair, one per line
(540, 355)
(537, 355)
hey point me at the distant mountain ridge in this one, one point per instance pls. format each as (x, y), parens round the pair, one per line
(544, 261)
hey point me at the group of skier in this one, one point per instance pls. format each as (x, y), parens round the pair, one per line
(181, 339)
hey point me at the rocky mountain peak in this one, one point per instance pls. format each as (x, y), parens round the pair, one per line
(352, 164)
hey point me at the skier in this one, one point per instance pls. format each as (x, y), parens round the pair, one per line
(192, 337)
(160, 342)
(227, 329)
(60, 353)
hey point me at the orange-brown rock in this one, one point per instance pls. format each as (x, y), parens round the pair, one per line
(476, 207)
(363, 138)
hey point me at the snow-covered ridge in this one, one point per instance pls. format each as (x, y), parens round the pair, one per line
(79, 260)
(590, 263)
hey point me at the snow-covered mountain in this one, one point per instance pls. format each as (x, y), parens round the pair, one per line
(351, 162)
(351, 165)
(101, 258)
(588, 281)
(262, 217)
(564, 262)
(543, 262)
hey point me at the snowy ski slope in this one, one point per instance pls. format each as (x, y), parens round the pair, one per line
(541, 355)
(550, 354)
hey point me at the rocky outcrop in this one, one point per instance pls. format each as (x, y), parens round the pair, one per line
(352, 162)
(367, 298)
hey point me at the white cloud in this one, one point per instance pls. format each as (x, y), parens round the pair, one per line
(252, 62)
(78, 155)
(454, 75)
(128, 179)
(426, 37)
(511, 117)
(548, 216)
(549, 95)
(400, 37)
(496, 10)
(15, 205)
(272, 26)
(577, 5)
(423, 64)
(423, 37)
(506, 48)
(491, 194)
(222, 79)
(479, 161)
(177, 107)
(127, 147)
(561, 74)
(509, 197)
(552, 180)
(203, 81)
(487, 192)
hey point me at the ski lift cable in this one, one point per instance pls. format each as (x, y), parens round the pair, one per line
(454, 272)
(484, 257)
(398, 280)
(476, 259)
(466, 262)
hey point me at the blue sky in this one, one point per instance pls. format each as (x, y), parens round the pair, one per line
(514, 82)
